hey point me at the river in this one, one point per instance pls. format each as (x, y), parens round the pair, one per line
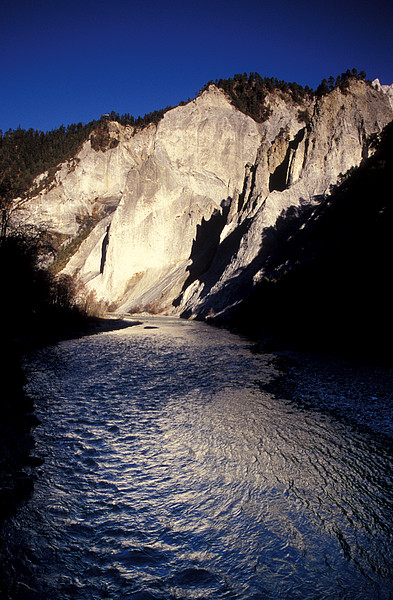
(178, 464)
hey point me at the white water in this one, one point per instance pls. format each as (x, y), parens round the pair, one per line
(171, 471)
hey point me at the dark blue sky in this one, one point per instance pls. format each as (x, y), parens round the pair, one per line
(64, 62)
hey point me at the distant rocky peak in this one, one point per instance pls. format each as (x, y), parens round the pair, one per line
(386, 89)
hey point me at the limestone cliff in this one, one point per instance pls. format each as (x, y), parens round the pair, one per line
(181, 207)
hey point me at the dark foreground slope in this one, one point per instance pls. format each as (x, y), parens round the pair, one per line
(34, 307)
(327, 283)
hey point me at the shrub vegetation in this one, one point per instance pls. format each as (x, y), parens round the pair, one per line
(34, 302)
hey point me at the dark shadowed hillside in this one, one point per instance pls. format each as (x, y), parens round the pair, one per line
(328, 283)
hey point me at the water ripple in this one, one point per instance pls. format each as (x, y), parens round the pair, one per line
(171, 472)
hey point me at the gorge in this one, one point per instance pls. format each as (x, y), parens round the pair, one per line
(154, 457)
(179, 212)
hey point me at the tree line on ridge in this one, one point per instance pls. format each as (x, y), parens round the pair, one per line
(24, 154)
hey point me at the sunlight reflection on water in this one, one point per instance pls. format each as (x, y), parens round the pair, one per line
(170, 473)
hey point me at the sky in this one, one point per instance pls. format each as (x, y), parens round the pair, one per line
(71, 62)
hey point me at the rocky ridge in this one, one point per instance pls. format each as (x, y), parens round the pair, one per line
(181, 208)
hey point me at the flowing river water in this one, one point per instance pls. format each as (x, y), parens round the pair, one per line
(180, 465)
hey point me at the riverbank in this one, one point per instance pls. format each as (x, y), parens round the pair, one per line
(18, 463)
(17, 421)
(357, 393)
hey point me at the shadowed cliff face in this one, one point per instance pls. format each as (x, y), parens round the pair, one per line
(292, 171)
(182, 206)
(327, 268)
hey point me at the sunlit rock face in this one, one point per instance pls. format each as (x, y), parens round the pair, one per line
(92, 183)
(196, 163)
(159, 184)
(181, 208)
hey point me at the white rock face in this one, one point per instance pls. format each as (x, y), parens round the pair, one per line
(91, 182)
(198, 161)
(163, 181)
(160, 191)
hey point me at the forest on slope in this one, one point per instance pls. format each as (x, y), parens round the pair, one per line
(249, 92)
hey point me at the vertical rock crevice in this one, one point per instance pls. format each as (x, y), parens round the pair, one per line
(104, 249)
(205, 245)
(280, 178)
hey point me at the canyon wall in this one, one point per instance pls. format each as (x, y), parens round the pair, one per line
(181, 209)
